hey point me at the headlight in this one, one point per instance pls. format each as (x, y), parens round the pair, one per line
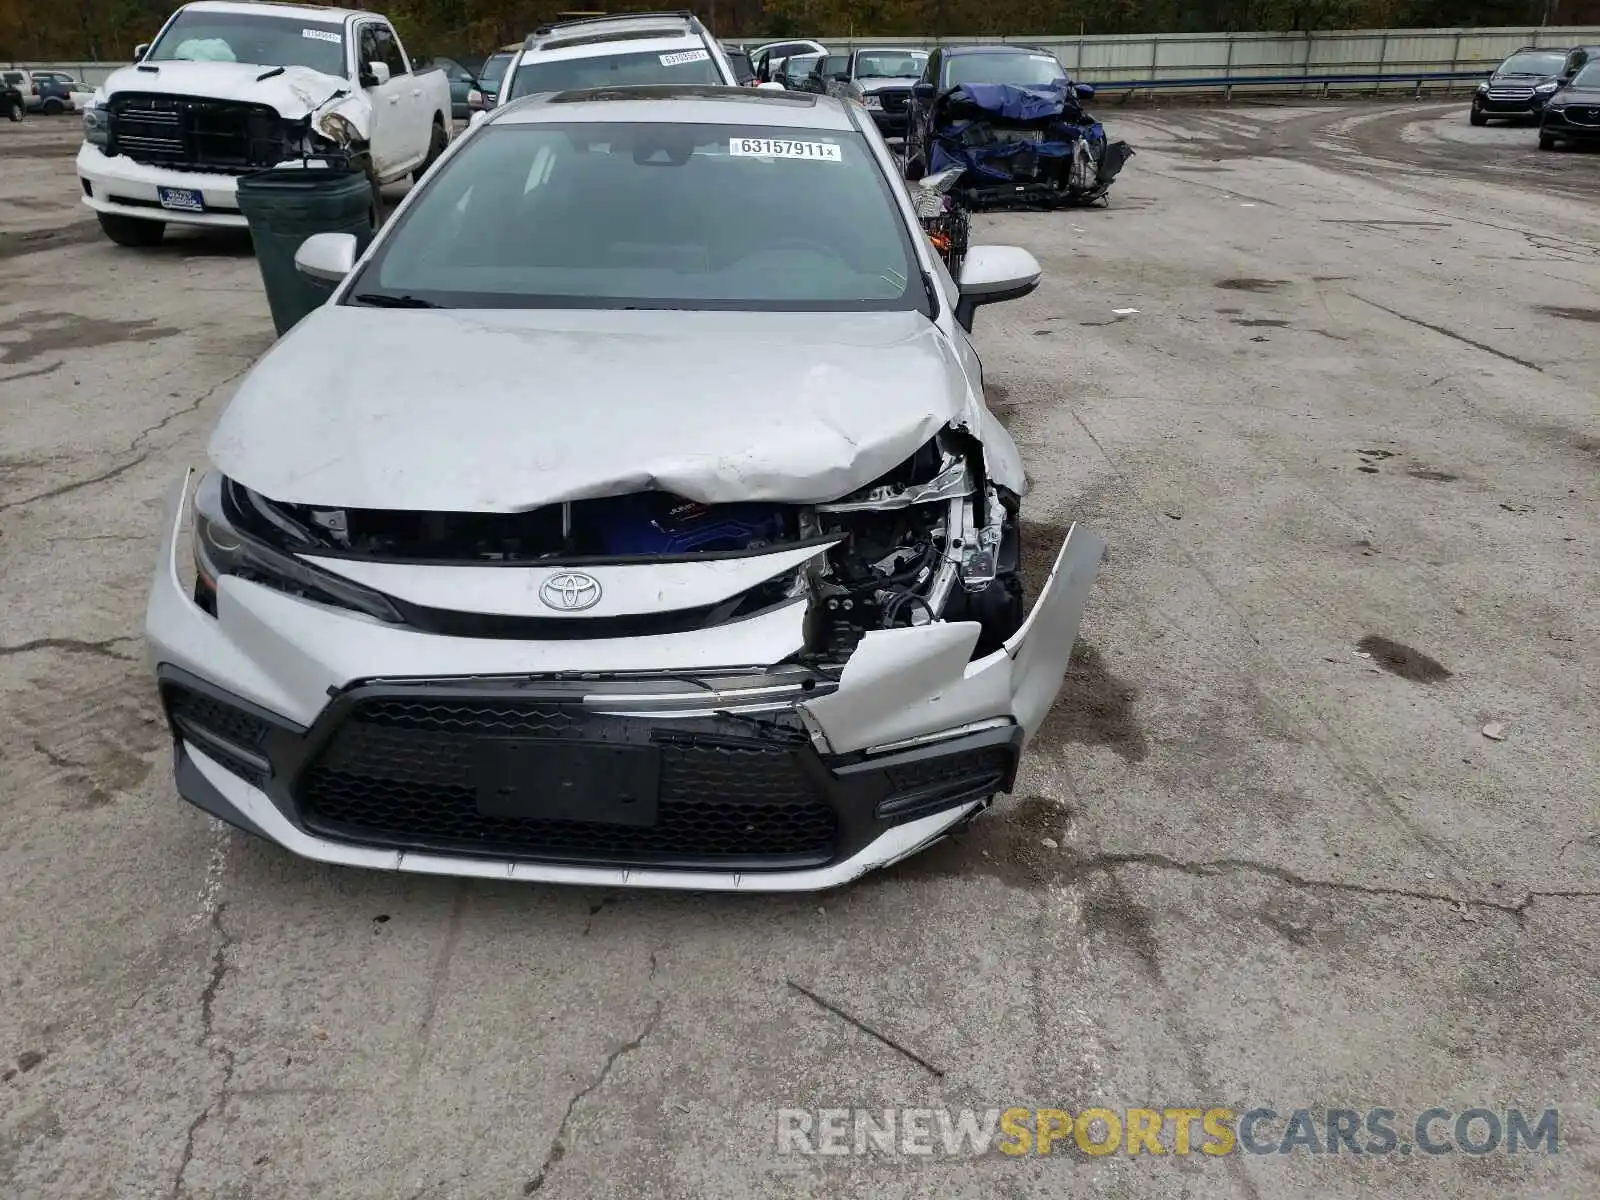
(1483, 87)
(339, 129)
(1544, 89)
(872, 102)
(96, 126)
(221, 548)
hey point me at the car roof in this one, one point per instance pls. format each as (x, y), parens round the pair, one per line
(950, 51)
(643, 43)
(306, 12)
(681, 104)
(558, 33)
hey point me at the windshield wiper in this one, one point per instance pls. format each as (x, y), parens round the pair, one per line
(383, 300)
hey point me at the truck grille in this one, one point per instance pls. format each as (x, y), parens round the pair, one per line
(894, 100)
(401, 772)
(197, 134)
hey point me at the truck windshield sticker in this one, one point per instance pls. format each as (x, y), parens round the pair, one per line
(320, 35)
(679, 57)
(749, 147)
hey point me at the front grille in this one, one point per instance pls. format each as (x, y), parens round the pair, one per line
(196, 133)
(401, 772)
(894, 100)
(1511, 93)
(1585, 115)
(928, 785)
(230, 735)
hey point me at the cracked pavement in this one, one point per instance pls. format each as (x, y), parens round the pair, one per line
(1249, 862)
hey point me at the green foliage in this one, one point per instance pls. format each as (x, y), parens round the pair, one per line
(109, 29)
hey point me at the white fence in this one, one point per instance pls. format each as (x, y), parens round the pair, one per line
(1388, 58)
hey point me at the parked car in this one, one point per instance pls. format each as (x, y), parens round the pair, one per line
(627, 50)
(880, 79)
(789, 72)
(11, 102)
(1520, 85)
(46, 92)
(494, 72)
(228, 88)
(1014, 124)
(777, 50)
(611, 616)
(462, 83)
(1573, 113)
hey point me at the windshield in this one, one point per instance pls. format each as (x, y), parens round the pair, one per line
(651, 215)
(1533, 64)
(890, 63)
(1018, 70)
(613, 70)
(260, 39)
(494, 69)
(1589, 77)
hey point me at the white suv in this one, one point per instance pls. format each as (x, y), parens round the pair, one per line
(620, 51)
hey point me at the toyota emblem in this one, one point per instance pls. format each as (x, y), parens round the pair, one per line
(570, 591)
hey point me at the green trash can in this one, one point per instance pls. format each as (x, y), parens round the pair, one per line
(285, 206)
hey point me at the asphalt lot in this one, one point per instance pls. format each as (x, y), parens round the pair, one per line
(1346, 455)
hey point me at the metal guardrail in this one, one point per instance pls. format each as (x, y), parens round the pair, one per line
(1226, 84)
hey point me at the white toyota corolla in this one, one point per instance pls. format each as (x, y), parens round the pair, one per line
(629, 516)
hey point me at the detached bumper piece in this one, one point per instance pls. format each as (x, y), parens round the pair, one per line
(509, 771)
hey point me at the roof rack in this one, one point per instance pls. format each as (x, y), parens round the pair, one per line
(544, 31)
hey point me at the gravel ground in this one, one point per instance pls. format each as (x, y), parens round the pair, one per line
(1345, 455)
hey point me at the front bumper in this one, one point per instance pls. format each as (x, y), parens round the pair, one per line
(1530, 106)
(347, 740)
(122, 187)
(1578, 122)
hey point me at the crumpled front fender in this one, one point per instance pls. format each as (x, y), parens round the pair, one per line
(907, 683)
(352, 107)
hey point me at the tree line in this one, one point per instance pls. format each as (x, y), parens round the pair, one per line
(108, 30)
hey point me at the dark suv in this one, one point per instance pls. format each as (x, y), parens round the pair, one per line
(1521, 84)
(1573, 113)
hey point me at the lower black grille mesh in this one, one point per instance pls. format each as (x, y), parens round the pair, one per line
(402, 772)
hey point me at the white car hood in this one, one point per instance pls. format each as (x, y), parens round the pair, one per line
(876, 83)
(295, 92)
(508, 410)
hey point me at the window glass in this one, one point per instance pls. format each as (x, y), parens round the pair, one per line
(654, 215)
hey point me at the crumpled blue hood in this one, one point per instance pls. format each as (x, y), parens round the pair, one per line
(1013, 103)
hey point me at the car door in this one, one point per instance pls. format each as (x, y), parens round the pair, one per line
(387, 139)
(418, 125)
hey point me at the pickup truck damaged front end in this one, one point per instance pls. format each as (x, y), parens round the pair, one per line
(363, 687)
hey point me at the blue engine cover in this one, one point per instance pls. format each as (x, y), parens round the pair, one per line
(654, 523)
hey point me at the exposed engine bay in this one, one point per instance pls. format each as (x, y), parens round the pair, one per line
(930, 540)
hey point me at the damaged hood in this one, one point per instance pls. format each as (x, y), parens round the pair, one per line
(1004, 100)
(294, 91)
(507, 410)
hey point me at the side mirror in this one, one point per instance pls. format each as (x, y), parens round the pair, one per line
(140, 50)
(326, 257)
(477, 118)
(376, 74)
(989, 275)
(771, 86)
(922, 90)
(474, 99)
(1084, 91)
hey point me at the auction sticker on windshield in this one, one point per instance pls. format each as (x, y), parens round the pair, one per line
(679, 57)
(321, 35)
(749, 147)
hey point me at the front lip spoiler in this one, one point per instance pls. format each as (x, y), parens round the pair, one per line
(211, 787)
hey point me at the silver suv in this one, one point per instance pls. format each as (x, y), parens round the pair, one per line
(620, 51)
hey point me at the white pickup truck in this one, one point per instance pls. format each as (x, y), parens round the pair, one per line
(230, 87)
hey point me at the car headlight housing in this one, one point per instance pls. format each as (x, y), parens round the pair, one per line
(1544, 89)
(96, 126)
(222, 547)
(870, 101)
(1482, 88)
